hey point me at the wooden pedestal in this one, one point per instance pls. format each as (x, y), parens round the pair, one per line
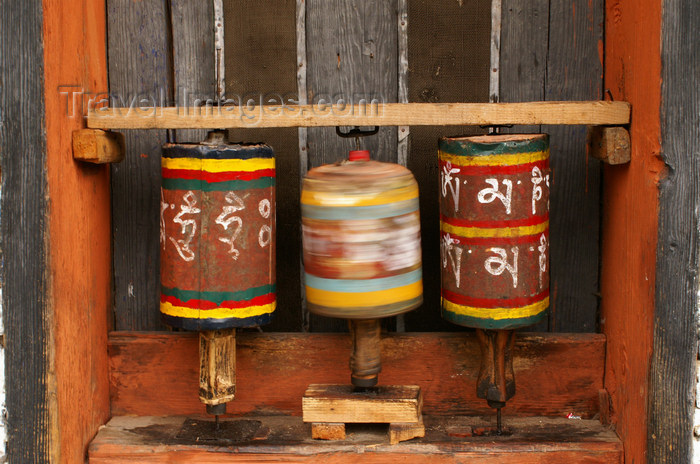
(330, 407)
(250, 439)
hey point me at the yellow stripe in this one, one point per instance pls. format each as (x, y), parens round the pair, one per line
(496, 313)
(216, 165)
(310, 197)
(495, 160)
(364, 300)
(218, 313)
(494, 232)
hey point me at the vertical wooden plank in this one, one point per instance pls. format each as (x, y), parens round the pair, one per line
(630, 220)
(80, 252)
(523, 64)
(261, 60)
(671, 389)
(194, 64)
(574, 72)
(352, 54)
(449, 56)
(139, 68)
(302, 96)
(24, 230)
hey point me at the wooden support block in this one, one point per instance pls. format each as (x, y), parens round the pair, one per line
(217, 366)
(378, 405)
(402, 431)
(98, 146)
(328, 431)
(609, 144)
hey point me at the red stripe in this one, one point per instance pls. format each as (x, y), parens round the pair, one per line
(216, 176)
(498, 169)
(528, 221)
(493, 302)
(205, 304)
(498, 241)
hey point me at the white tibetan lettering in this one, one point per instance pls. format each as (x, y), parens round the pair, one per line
(452, 253)
(537, 179)
(489, 194)
(188, 227)
(496, 265)
(227, 217)
(447, 179)
(542, 248)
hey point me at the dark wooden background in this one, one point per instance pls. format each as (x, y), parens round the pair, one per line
(549, 51)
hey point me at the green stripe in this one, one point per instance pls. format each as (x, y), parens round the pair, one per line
(363, 285)
(463, 147)
(484, 323)
(196, 184)
(339, 213)
(218, 297)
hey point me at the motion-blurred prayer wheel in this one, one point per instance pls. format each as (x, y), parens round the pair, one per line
(362, 253)
(494, 223)
(217, 222)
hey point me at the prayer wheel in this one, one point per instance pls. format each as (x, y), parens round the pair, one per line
(494, 223)
(217, 220)
(217, 238)
(361, 248)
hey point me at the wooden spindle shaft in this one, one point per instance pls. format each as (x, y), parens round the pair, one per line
(496, 382)
(217, 368)
(365, 362)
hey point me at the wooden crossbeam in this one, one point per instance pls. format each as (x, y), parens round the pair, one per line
(388, 114)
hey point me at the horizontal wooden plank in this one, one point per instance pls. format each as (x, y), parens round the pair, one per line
(534, 440)
(157, 373)
(387, 114)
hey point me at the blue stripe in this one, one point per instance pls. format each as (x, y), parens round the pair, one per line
(363, 285)
(336, 213)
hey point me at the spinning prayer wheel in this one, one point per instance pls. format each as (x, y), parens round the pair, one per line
(361, 248)
(494, 223)
(217, 219)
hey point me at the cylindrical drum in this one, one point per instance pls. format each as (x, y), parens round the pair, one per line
(361, 237)
(494, 224)
(217, 234)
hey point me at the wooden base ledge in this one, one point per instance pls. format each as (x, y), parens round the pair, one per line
(154, 374)
(386, 114)
(534, 440)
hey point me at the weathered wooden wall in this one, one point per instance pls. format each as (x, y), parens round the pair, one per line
(549, 51)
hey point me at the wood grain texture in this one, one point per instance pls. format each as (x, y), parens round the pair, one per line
(389, 114)
(194, 68)
(672, 379)
(448, 61)
(80, 241)
(23, 231)
(574, 71)
(139, 50)
(261, 59)
(610, 145)
(97, 146)
(630, 219)
(217, 366)
(351, 51)
(380, 405)
(536, 440)
(156, 374)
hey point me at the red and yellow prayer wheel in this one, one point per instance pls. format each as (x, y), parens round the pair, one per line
(494, 223)
(361, 237)
(217, 222)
